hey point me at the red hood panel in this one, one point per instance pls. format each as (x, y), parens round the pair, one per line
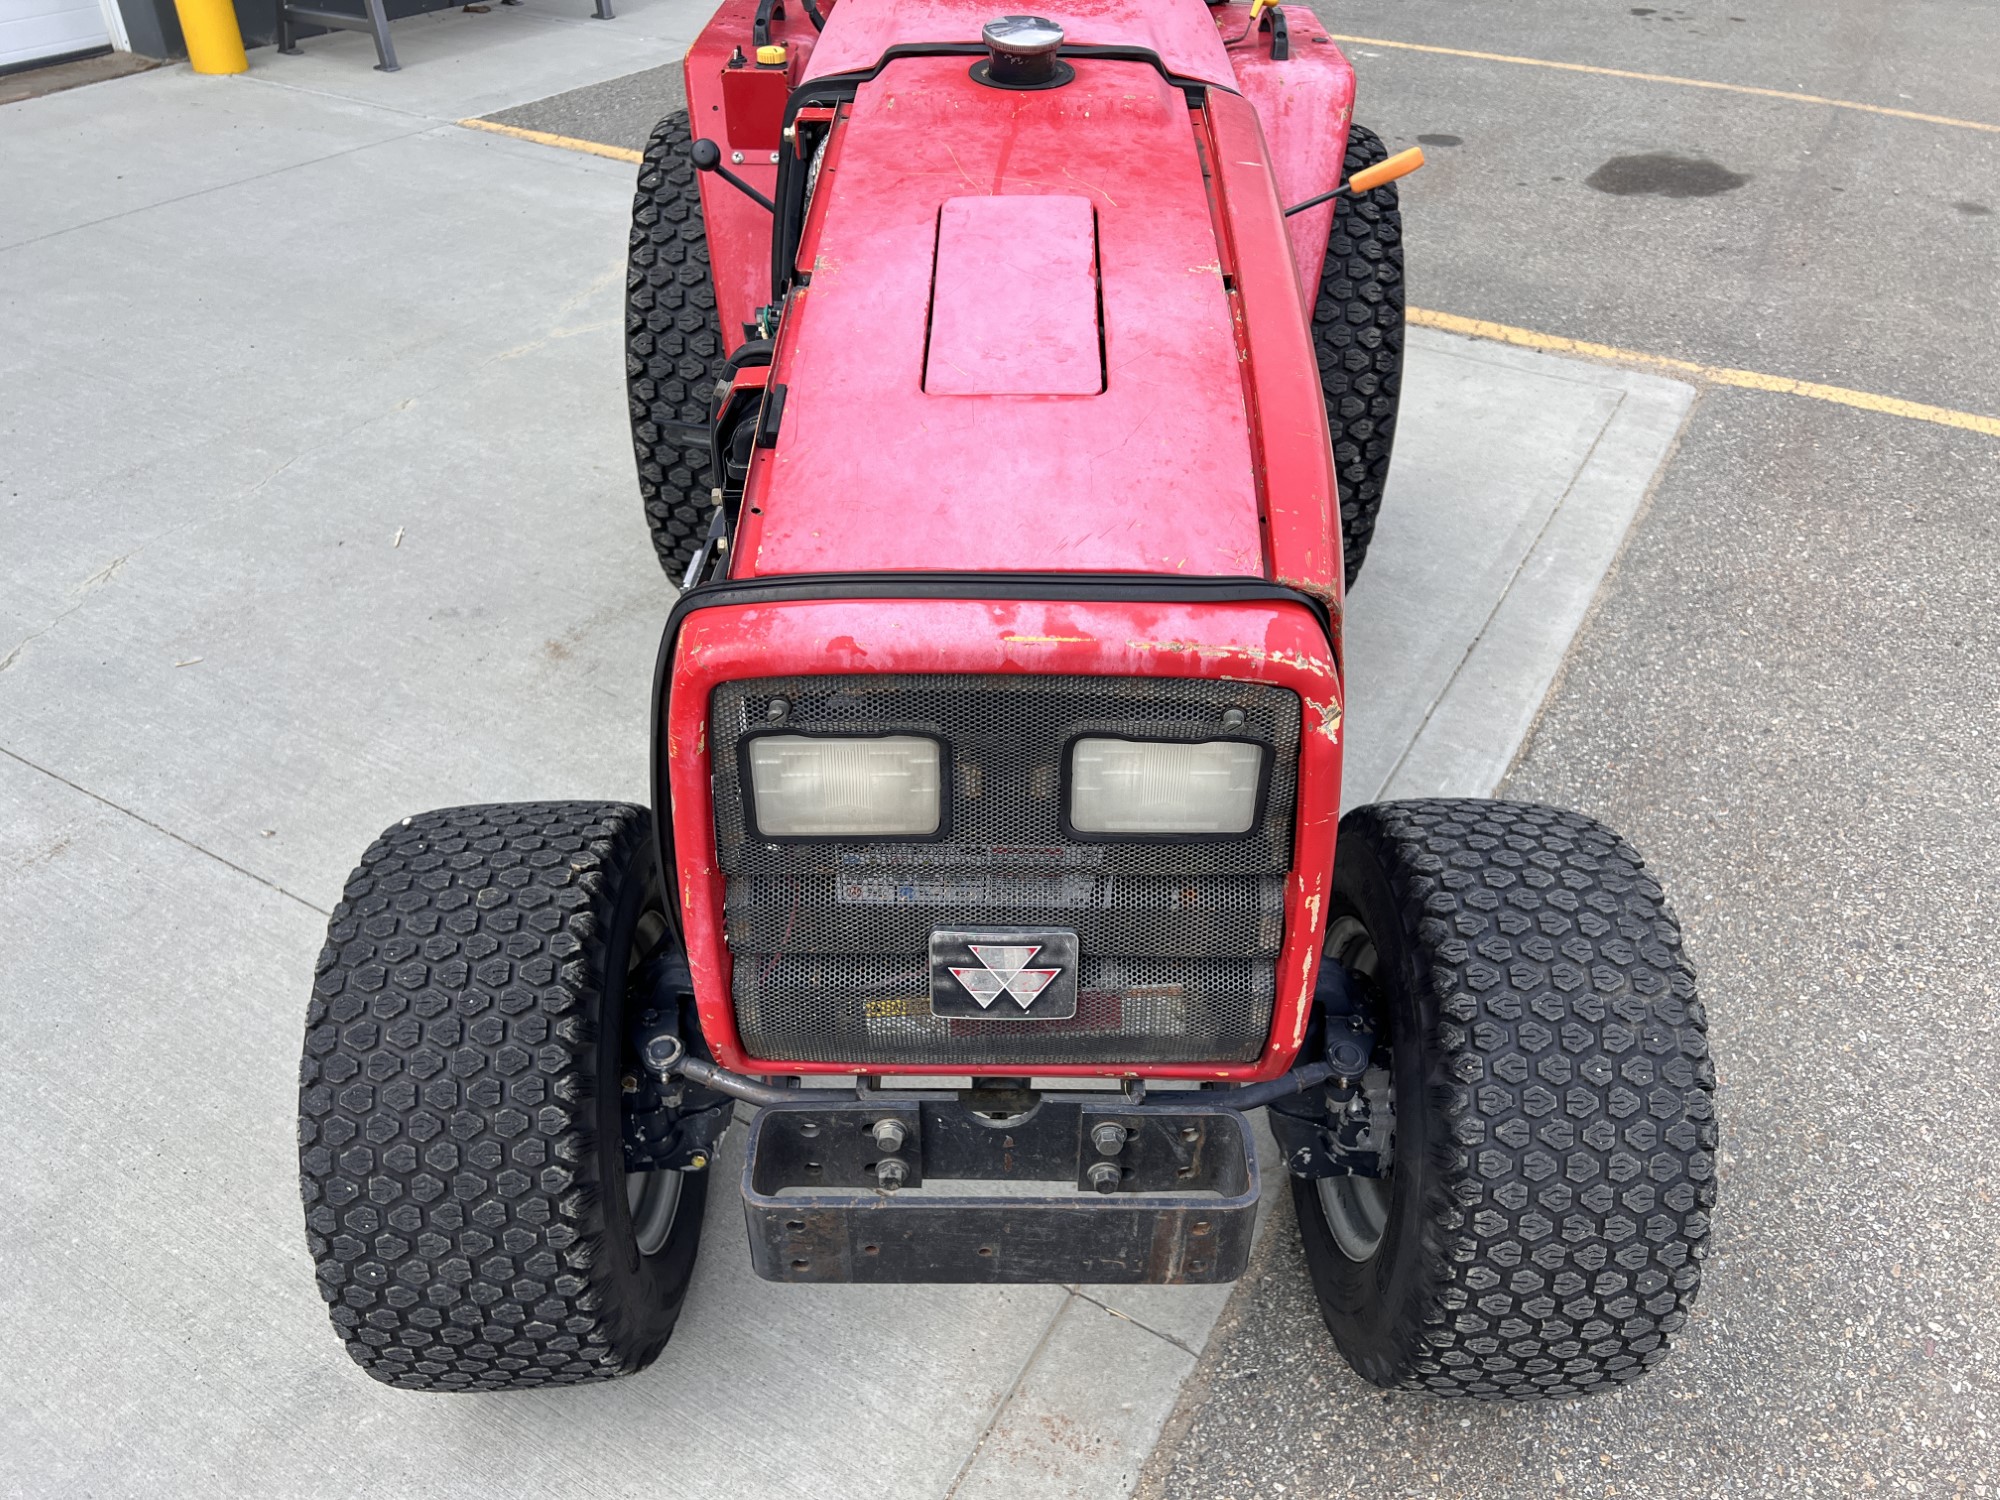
(871, 472)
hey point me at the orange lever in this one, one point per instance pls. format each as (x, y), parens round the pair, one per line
(1402, 164)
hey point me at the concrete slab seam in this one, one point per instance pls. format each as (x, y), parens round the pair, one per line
(1000, 1406)
(1484, 714)
(1527, 740)
(1195, 1390)
(1143, 1327)
(222, 187)
(165, 832)
(287, 86)
(1472, 646)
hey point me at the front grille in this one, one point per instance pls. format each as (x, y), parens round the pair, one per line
(1178, 938)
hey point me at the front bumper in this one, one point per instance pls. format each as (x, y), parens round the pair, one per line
(1183, 1211)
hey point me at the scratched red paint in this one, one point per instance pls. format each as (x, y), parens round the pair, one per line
(872, 472)
(1279, 643)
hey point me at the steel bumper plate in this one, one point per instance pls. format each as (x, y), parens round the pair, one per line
(1183, 1211)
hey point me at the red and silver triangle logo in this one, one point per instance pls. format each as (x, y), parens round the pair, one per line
(1004, 971)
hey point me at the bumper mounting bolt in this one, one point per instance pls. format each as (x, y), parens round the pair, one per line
(891, 1174)
(1103, 1176)
(1109, 1138)
(890, 1135)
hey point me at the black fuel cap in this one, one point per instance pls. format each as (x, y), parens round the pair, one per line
(1022, 54)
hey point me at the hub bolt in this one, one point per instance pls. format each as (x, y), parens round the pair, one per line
(890, 1135)
(1103, 1176)
(1109, 1138)
(891, 1174)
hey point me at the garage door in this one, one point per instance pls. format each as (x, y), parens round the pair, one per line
(31, 29)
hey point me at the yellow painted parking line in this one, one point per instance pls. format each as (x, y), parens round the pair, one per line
(1749, 380)
(562, 142)
(1687, 83)
(1504, 333)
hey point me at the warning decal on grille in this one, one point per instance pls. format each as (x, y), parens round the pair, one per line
(967, 888)
(1004, 974)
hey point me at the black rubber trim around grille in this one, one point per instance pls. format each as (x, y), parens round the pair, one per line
(1129, 588)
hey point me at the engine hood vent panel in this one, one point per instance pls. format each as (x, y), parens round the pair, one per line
(1014, 299)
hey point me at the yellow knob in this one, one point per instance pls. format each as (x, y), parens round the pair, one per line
(772, 56)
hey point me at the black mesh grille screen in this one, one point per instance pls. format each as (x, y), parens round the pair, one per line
(1179, 938)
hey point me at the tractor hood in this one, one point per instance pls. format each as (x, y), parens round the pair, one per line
(1015, 350)
(1181, 33)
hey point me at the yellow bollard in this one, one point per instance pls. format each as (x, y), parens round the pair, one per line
(214, 40)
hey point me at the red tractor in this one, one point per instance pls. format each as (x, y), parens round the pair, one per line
(1015, 444)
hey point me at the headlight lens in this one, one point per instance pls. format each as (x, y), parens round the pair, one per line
(1156, 787)
(813, 787)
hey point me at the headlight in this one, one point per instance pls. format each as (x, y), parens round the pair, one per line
(1126, 787)
(808, 786)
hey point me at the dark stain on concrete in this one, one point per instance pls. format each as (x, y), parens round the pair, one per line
(1968, 207)
(1664, 174)
(1440, 140)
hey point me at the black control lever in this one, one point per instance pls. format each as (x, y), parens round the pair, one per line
(707, 157)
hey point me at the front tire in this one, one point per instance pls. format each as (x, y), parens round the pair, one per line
(673, 343)
(1358, 337)
(460, 1147)
(1542, 1228)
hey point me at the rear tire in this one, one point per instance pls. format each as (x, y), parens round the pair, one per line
(673, 343)
(1542, 1229)
(460, 1148)
(1358, 336)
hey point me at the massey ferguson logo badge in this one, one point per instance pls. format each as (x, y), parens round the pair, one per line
(999, 975)
(1005, 969)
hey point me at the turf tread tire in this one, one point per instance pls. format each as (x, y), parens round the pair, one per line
(1548, 1239)
(1358, 338)
(673, 341)
(463, 1203)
